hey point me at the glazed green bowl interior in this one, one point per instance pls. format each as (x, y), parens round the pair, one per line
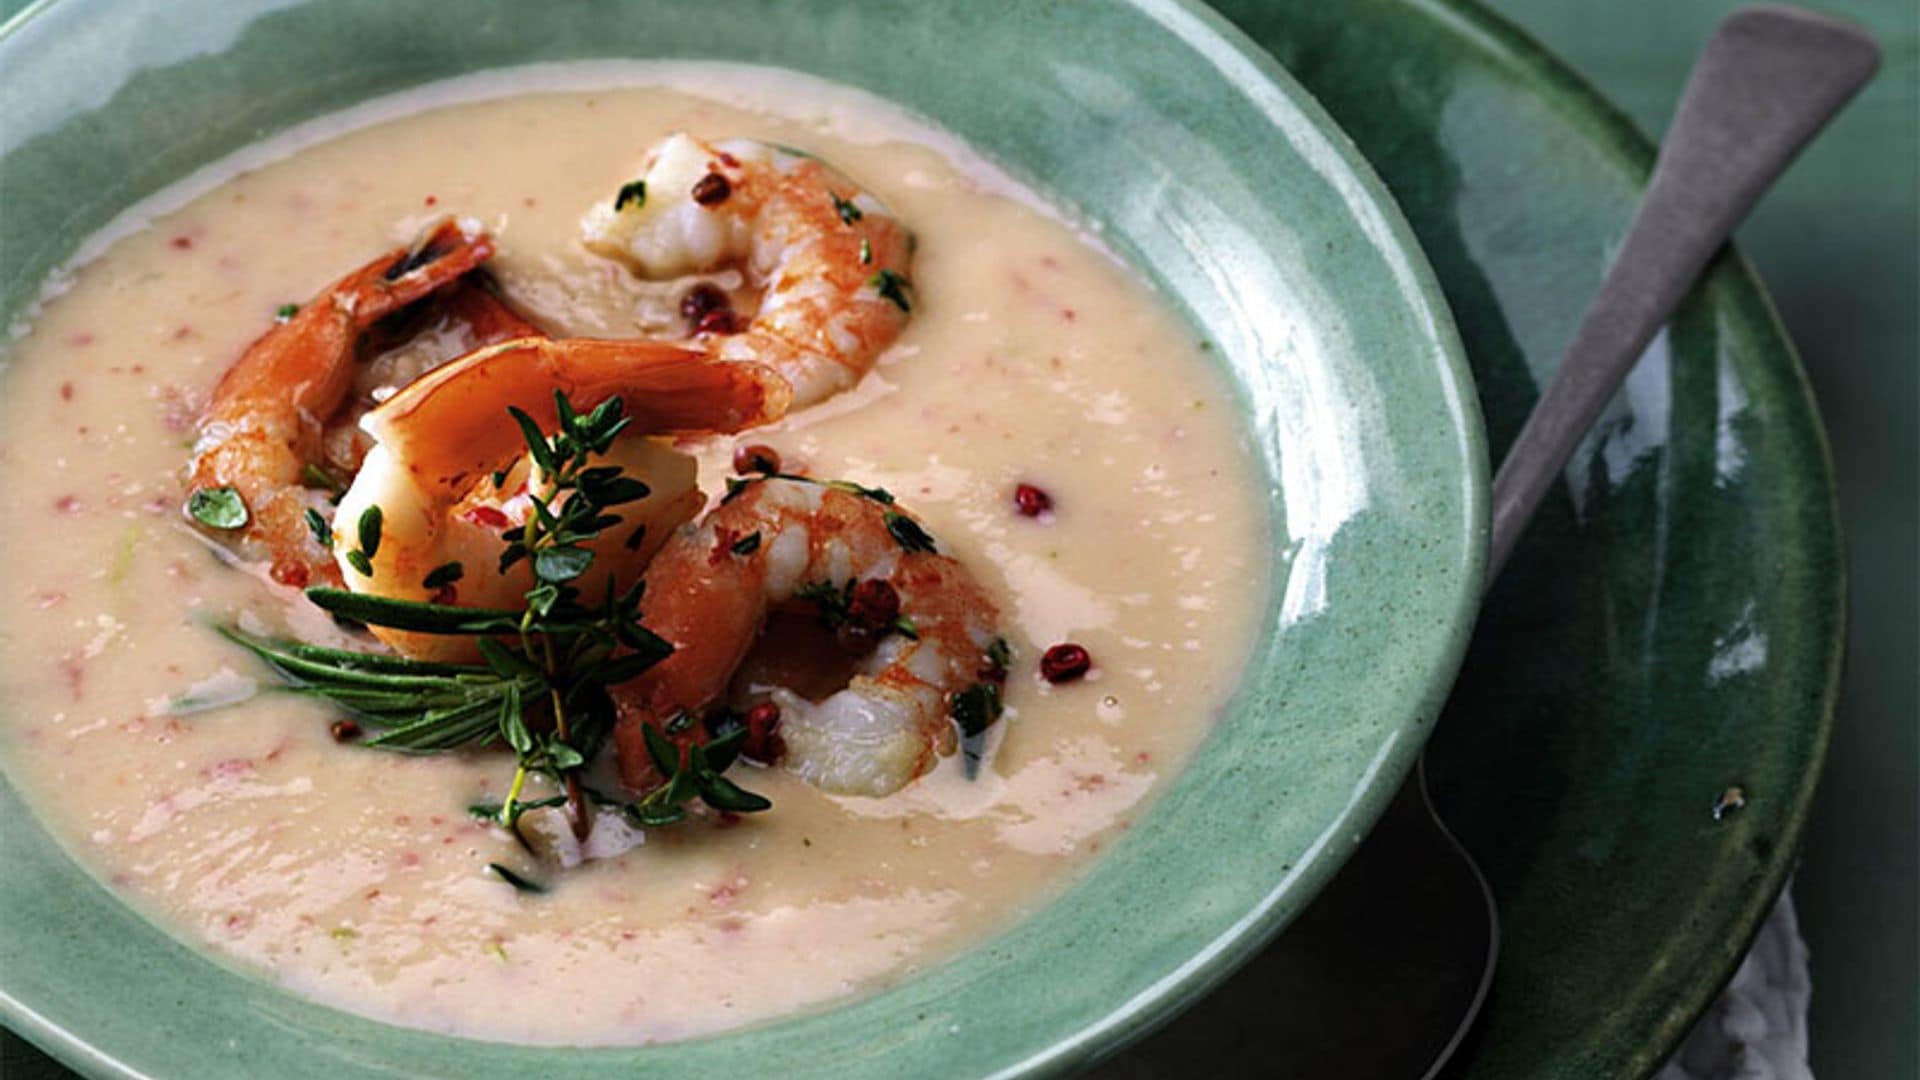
(1200, 161)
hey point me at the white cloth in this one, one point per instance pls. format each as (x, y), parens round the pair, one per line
(1757, 1030)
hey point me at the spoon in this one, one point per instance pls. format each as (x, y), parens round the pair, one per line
(1384, 974)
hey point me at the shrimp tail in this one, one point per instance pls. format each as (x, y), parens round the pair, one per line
(265, 420)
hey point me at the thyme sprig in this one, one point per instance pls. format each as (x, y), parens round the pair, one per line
(542, 685)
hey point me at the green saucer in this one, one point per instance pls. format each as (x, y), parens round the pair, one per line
(1634, 741)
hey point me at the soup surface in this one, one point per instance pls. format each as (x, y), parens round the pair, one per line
(165, 760)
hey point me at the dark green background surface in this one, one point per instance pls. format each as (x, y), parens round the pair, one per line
(1838, 244)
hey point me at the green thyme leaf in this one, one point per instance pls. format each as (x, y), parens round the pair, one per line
(976, 708)
(831, 601)
(218, 508)
(317, 525)
(849, 213)
(908, 532)
(319, 479)
(359, 561)
(561, 563)
(443, 575)
(368, 530)
(537, 444)
(286, 311)
(892, 285)
(665, 755)
(634, 192)
(519, 883)
(1000, 654)
(723, 794)
(562, 756)
(746, 545)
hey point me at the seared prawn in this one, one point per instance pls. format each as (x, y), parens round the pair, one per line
(778, 541)
(266, 422)
(829, 261)
(449, 471)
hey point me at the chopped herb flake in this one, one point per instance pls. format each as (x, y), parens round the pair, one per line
(317, 525)
(892, 285)
(218, 508)
(976, 708)
(908, 532)
(747, 544)
(848, 212)
(1000, 654)
(369, 531)
(319, 479)
(443, 575)
(519, 883)
(635, 193)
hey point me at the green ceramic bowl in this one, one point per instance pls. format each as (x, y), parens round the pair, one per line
(1204, 164)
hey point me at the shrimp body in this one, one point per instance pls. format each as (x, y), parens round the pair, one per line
(266, 421)
(782, 540)
(829, 260)
(440, 442)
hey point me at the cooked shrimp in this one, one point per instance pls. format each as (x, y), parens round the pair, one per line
(440, 440)
(456, 321)
(266, 420)
(778, 540)
(830, 261)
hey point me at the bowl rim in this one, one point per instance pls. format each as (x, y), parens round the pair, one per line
(1251, 71)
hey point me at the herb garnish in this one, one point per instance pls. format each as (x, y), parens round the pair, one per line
(519, 883)
(835, 606)
(369, 530)
(443, 575)
(908, 532)
(892, 285)
(849, 213)
(974, 710)
(313, 476)
(747, 544)
(286, 311)
(829, 601)
(737, 484)
(318, 526)
(866, 251)
(218, 508)
(634, 192)
(1000, 654)
(693, 770)
(546, 698)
